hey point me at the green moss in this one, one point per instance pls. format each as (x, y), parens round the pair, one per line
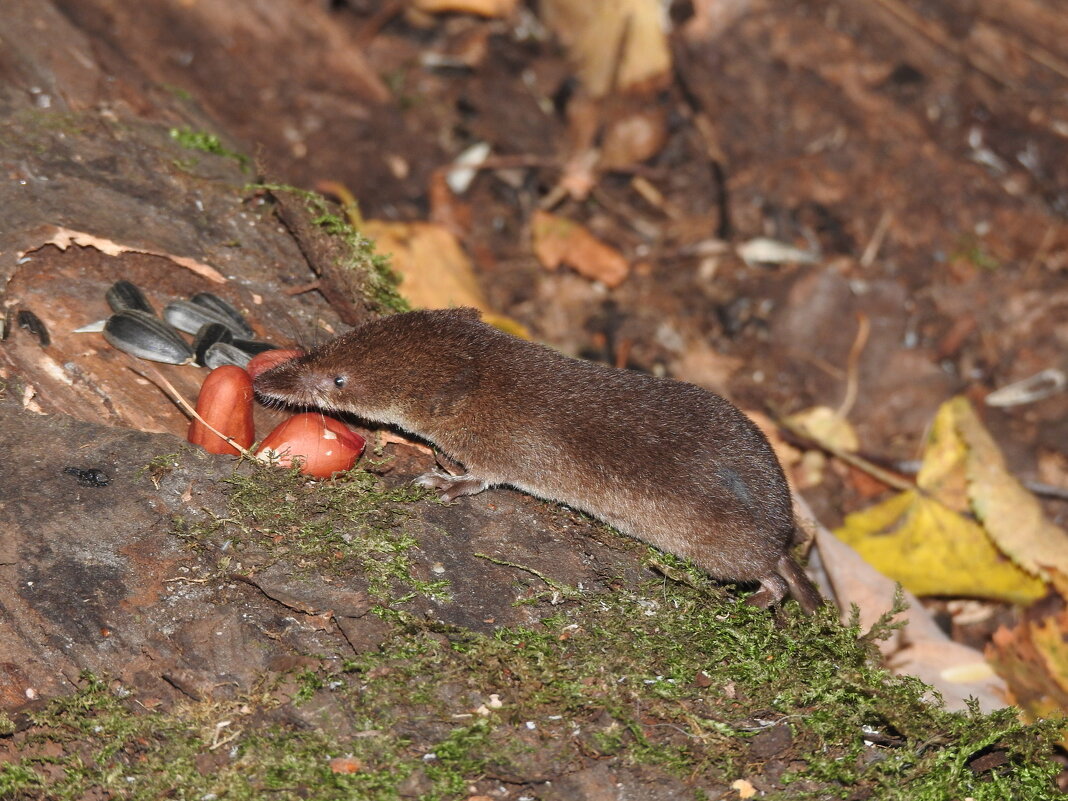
(19, 781)
(377, 278)
(309, 684)
(350, 524)
(206, 143)
(675, 678)
(670, 678)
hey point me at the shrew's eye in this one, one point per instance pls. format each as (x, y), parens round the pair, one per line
(339, 381)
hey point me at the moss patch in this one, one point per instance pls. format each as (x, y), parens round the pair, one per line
(349, 525)
(673, 683)
(670, 682)
(349, 256)
(206, 143)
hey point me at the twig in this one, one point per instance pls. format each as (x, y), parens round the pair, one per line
(156, 377)
(878, 236)
(1047, 490)
(563, 589)
(885, 476)
(861, 339)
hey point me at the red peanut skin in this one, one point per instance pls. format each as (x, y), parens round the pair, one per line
(301, 437)
(225, 403)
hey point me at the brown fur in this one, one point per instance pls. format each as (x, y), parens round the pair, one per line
(664, 461)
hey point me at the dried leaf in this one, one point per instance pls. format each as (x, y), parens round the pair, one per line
(927, 540)
(345, 765)
(933, 550)
(435, 270)
(942, 470)
(482, 8)
(827, 427)
(558, 240)
(63, 238)
(744, 788)
(1010, 513)
(614, 44)
(1033, 658)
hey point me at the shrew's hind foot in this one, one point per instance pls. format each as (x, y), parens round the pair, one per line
(450, 486)
(789, 580)
(773, 589)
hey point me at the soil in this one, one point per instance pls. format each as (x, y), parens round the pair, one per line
(919, 149)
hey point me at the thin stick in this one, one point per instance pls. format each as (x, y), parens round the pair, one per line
(156, 377)
(863, 329)
(563, 589)
(885, 476)
(876, 241)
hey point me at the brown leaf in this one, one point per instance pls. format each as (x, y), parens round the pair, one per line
(435, 270)
(558, 240)
(1033, 658)
(614, 44)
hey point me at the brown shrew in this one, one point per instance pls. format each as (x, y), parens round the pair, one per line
(661, 460)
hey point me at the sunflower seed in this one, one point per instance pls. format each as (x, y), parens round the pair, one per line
(223, 309)
(224, 353)
(254, 346)
(35, 325)
(208, 335)
(189, 317)
(91, 328)
(147, 337)
(123, 295)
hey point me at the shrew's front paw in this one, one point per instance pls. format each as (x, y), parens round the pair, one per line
(450, 486)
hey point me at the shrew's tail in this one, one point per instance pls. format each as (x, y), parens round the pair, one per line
(801, 586)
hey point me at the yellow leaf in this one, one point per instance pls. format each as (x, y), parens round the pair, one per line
(435, 271)
(507, 324)
(827, 427)
(483, 8)
(933, 550)
(928, 540)
(942, 472)
(1010, 513)
(614, 44)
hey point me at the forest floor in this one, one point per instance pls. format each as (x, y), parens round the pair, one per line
(852, 206)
